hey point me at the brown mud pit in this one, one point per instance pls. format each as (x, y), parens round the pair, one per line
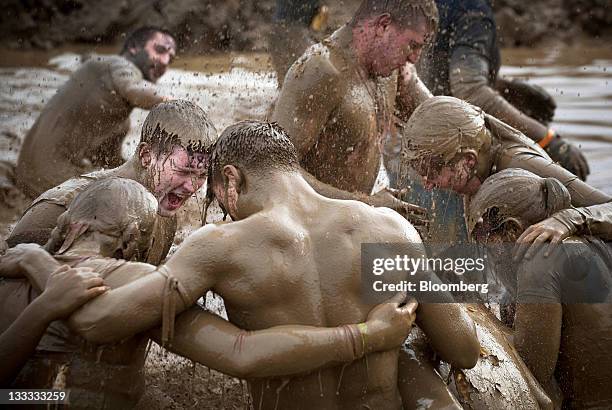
(173, 382)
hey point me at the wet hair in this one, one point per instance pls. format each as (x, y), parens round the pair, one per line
(404, 13)
(114, 206)
(252, 146)
(178, 122)
(444, 127)
(139, 37)
(517, 194)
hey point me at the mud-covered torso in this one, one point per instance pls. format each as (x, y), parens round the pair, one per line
(347, 152)
(353, 108)
(85, 110)
(64, 194)
(309, 275)
(84, 114)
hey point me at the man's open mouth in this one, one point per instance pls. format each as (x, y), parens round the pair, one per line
(175, 200)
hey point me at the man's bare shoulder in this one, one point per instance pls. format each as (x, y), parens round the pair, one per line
(376, 224)
(317, 64)
(221, 236)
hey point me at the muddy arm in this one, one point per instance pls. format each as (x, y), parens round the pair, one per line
(442, 321)
(583, 195)
(469, 75)
(537, 338)
(36, 224)
(66, 290)
(129, 84)
(288, 349)
(30, 261)
(594, 220)
(19, 341)
(446, 322)
(411, 91)
(139, 304)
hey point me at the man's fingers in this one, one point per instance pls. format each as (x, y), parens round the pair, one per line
(537, 243)
(523, 243)
(554, 241)
(97, 291)
(94, 282)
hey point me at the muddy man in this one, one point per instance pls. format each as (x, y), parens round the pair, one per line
(291, 256)
(563, 317)
(115, 217)
(83, 126)
(339, 100)
(171, 161)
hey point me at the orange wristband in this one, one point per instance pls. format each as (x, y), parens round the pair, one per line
(547, 138)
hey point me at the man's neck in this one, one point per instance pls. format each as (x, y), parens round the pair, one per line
(359, 47)
(288, 189)
(131, 170)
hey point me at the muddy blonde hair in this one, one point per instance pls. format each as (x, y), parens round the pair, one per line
(518, 194)
(114, 206)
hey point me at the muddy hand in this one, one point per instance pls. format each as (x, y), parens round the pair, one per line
(390, 323)
(537, 235)
(69, 288)
(388, 198)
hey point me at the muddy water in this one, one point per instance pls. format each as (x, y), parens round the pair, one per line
(580, 79)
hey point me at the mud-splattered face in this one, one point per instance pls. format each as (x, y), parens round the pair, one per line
(155, 57)
(455, 175)
(176, 177)
(393, 46)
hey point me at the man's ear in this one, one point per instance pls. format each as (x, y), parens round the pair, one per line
(132, 51)
(233, 179)
(382, 22)
(471, 159)
(144, 154)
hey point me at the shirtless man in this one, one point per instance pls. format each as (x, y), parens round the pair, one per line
(171, 161)
(291, 256)
(83, 125)
(339, 99)
(118, 216)
(563, 317)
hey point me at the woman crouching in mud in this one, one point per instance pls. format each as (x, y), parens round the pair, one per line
(110, 223)
(455, 145)
(563, 321)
